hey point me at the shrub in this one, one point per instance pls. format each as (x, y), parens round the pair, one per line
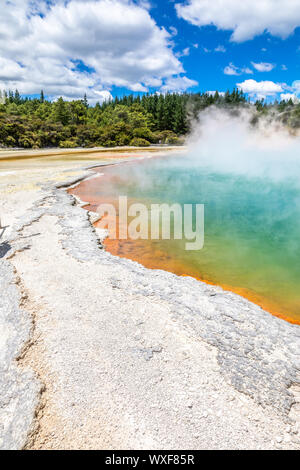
(10, 141)
(143, 133)
(68, 144)
(138, 142)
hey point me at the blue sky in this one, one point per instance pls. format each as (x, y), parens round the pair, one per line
(206, 63)
(112, 47)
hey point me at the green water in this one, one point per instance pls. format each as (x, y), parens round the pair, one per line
(252, 225)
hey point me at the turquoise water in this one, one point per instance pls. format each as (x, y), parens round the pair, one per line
(252, 226)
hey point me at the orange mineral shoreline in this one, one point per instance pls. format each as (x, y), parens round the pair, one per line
(127, 250)
(152, 257)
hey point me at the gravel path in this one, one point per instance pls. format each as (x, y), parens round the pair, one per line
(114, 356)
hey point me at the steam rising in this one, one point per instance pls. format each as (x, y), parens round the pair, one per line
(228, 142)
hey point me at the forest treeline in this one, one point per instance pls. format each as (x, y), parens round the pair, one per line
(130, 120)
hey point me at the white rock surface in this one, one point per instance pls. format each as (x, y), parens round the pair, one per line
(130, 358)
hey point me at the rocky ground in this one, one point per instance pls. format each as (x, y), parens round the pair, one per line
(98, 352)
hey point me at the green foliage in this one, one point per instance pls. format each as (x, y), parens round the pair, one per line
(138, 142)
(130, 120)
(68, 144)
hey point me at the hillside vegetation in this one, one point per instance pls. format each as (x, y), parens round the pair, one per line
(131, 120)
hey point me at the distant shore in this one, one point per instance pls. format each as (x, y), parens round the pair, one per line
(111, 355)
(50, 152)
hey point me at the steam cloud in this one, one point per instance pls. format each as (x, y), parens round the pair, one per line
(227, 142)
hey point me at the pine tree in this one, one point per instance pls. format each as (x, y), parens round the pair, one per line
(160, 113)
(10, 96)
(180, 121)
(17, 97)
(85, 101)
(60, 112)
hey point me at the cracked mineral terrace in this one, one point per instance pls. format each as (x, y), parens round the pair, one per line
(98, 352)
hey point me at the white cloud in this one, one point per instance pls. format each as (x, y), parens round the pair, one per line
(263, 66)
(173, 30)
(295, 87)
(178, 84)
(231, 69)
(72, 47)
(246, 18)
(9, 70)
(184, 53)
(260, 90)
(220, 48)
(103, 95)
(289, 96)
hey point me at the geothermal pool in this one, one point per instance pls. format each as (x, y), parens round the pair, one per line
(252, 226)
